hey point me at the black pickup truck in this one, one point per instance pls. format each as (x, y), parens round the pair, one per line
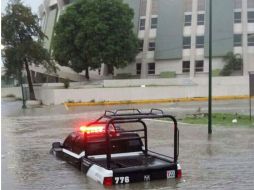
(111, 155)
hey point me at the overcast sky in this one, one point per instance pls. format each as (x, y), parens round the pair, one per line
(34, 4)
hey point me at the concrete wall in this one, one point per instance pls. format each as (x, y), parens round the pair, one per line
(180, 88)
(151, 82)
(225, 88)
(13, 90)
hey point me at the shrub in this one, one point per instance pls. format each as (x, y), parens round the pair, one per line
(216, 72)
(168, 74)
(10, 96)
(66, 83)
(123, 76)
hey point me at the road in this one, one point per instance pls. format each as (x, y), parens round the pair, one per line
(222, 161)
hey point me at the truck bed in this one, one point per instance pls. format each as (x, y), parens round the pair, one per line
(139, 160)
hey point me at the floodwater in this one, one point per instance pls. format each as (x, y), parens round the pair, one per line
(223, 161)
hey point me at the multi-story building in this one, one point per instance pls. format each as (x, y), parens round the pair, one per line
(174, 34)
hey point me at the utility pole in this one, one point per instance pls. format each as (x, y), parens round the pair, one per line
(210, 71)
(22, 90)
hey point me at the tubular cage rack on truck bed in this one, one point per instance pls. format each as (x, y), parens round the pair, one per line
(112, 155)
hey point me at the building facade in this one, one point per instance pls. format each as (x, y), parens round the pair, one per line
(174, 34)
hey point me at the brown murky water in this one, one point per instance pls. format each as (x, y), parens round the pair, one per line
(223, 161)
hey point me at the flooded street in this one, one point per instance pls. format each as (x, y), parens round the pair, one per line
(223, 161)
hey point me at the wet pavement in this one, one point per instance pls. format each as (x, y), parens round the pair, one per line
(223, 161)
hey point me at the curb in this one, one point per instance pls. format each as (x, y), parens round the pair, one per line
(168, 100)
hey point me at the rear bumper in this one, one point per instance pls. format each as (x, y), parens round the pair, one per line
(129, 174)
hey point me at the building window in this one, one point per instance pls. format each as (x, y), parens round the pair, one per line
(237, 4)
(187, 5)
(250, 39)
(201, 5)
(142, 24)
(237, 17)
(187, 20)
(250, 4)
(199, 66)
(151, 68)
(138, 68)
(237, 40)
(53, 7)
(251, 16)
(141, 43)
(200, 42)
(151, 46)
(186, 66)
(187, 42)
(154, 22)
(201, 19)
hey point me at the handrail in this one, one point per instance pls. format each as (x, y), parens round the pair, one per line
(155, 109)
(122, 110)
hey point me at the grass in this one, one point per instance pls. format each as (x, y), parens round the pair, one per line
(167, 74)
(222, 119)
(10, 96)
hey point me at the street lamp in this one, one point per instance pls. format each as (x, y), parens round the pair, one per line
(210, 71)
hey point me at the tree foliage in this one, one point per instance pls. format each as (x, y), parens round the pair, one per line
(233, 62)
(92, 32)
(22, 39)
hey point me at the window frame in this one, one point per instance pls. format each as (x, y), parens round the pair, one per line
(187, 23)
(250, 19)
(154, 25)
(138, 70)
(199, 69)
(151, 71)
(142, 25)
(200, 22)
(141, 45)
(151, 48)
(238, 43)
(250, 36)
(187, 46)
(199, 45)
(238, 20)
(185, 69)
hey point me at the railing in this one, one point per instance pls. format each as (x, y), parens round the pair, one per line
(136, 116)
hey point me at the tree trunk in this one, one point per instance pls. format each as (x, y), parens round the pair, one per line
(110, 69)
(87, 73)
(30, 84)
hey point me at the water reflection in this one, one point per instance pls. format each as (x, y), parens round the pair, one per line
(224, 159)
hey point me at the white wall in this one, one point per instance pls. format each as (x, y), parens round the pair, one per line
(179, 88)
(168, 65)
(139, 82)
(13, 90)
(139, 93)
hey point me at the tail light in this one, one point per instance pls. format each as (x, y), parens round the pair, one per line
(179, 171)
(108, 181)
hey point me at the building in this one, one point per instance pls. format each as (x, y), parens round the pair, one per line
(174, 34)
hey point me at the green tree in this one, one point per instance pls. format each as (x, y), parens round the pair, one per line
(233, 62)
(92, 32)
(22, 39)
